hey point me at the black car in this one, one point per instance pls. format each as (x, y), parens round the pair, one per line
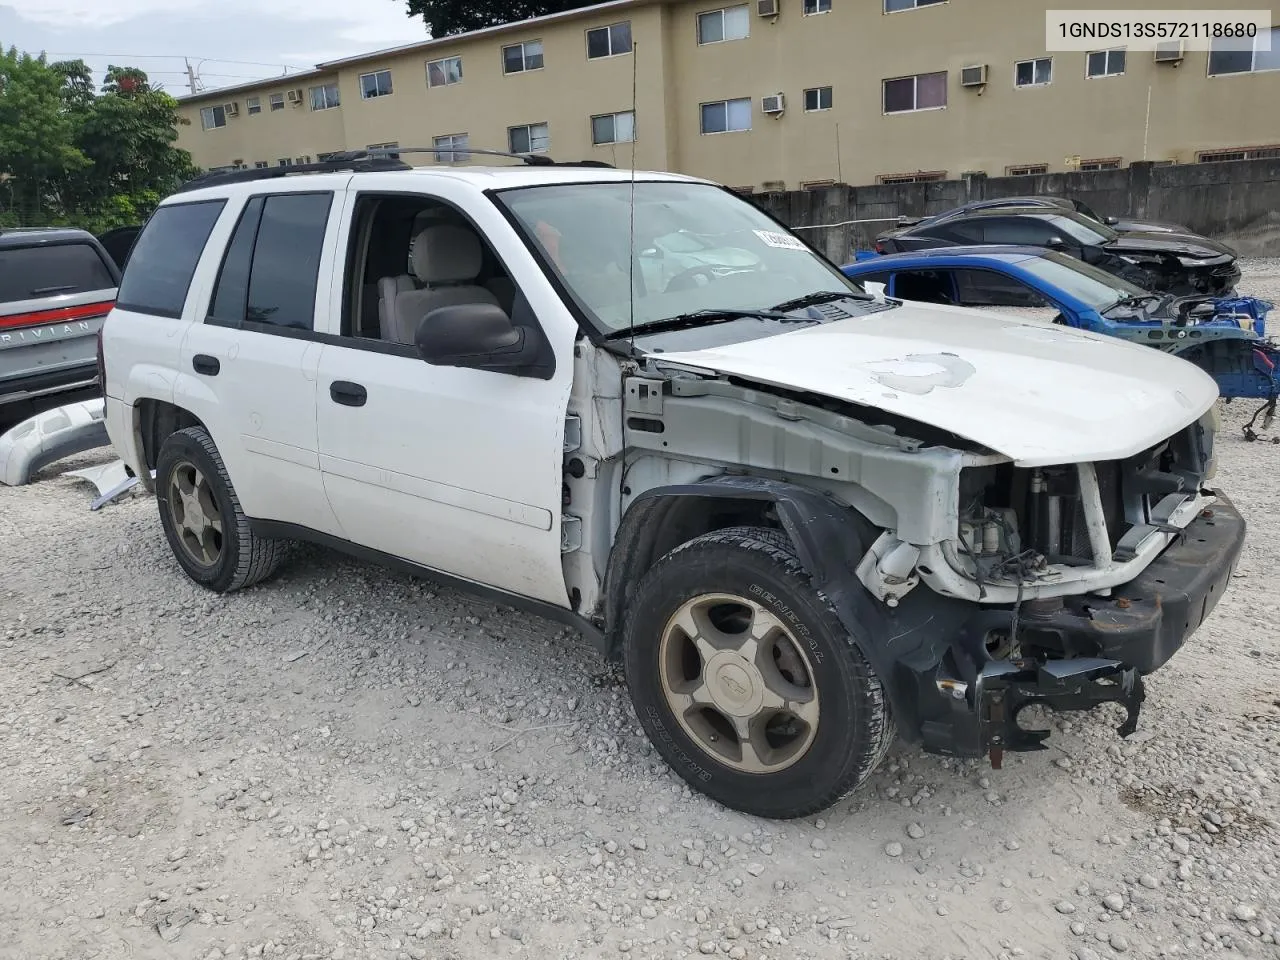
(119, 243)
(1119, 224)
(1175, 263)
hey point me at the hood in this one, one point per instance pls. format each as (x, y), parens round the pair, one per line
(1035, 392)
(1178, 244)
(1126, 225)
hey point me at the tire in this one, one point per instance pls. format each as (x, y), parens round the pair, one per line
(852, 726)
(225, 555)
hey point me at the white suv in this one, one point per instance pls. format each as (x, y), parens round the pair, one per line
(807, 518)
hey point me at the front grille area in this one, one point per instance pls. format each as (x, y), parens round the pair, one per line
(1049, 508)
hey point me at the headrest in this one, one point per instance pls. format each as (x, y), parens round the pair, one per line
(446, 253)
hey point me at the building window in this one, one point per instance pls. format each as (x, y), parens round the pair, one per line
(522, 57)
(817, 184)
(212, 117)
(375, 84)
(611, 41)
(1027, 170)
(1239, 153)
(1106, 63)
(444, 73)
(813, 7)
(285, 162)
(817, 98)
(613, 128)
(926, 91)
(532, 138)
(253, 105)
(920, 177)
(325, 97)
(717, 26)
(260, 164)
(276, 100)
(893, 6)
(451, 148)
(1112, 163)
(1033, 73)
(391, 146)
(726, 116)
(1223, 62)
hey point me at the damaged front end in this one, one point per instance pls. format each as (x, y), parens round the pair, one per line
(1086, 578)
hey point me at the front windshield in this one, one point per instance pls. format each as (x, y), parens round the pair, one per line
(1091, 234)
(1085, 282)
(696, 247)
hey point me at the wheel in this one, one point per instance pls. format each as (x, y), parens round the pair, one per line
(202, 519)
(745, 680)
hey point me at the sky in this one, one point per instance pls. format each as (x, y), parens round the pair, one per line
(229, 41)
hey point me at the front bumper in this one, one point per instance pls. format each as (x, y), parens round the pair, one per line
(1077, 652)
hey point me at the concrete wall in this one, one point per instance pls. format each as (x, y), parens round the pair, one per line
(1230, 199)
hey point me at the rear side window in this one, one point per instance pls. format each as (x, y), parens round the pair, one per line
(231, 295)
(165, 256)
(286, 260)
(29, 273)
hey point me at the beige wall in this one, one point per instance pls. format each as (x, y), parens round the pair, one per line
(852, 49)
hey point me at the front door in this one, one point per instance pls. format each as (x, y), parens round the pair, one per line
(455, 469)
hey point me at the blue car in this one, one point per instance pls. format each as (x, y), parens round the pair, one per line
(1226, 337)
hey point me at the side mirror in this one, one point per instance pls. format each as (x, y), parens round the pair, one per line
(1057, 243)
(652, 253)
(1112, 221)
(475, 335)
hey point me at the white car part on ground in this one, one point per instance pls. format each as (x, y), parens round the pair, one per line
(112, 480)
(50, 436)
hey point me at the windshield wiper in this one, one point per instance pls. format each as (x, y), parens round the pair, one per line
(822, 296)
(697, 318)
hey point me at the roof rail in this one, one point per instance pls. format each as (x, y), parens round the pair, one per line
(350, 160)
(529, 159)
(374, 159)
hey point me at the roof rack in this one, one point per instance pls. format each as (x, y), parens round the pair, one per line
(375, 159)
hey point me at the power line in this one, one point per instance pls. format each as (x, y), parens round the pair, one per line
(171, 56)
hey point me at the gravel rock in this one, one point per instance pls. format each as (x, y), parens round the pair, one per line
(1065, 906)
(893, 848)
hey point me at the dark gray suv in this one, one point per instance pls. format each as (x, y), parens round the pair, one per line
(56, 287)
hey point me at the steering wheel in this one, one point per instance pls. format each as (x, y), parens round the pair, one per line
(684, 280)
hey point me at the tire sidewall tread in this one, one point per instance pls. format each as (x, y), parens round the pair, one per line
(246, 558)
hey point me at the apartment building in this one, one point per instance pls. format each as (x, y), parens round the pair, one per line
(766, 94)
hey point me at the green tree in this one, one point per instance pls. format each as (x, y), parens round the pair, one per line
(37, 143)
(69, 154)
(128, 134)
(445, 17)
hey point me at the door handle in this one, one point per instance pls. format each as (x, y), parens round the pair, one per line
(203, 363)
(347, 393)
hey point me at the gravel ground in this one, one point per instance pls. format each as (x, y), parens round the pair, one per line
(348, 763)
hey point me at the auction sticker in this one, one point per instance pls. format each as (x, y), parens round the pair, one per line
(779, 240)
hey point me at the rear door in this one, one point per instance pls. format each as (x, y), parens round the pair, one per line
(53, 299)
(159, 298)
(248, 369)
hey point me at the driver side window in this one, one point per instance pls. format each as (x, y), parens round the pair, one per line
(410, 255)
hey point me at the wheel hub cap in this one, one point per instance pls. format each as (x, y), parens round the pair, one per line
(738, 683)
(736, 686)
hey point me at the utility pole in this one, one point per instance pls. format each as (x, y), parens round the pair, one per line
(193, 82)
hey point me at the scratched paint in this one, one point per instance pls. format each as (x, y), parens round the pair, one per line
(920, 373)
